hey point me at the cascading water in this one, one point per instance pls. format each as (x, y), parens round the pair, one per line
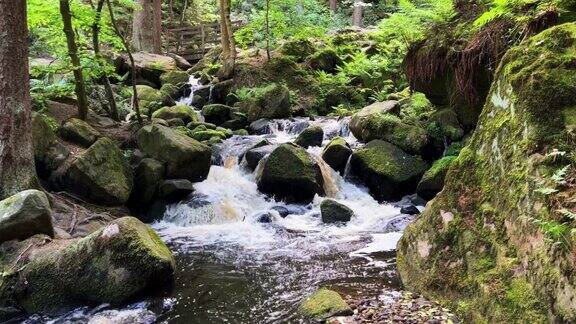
(234, 268)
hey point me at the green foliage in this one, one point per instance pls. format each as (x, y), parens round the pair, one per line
(288, 18)
(42, 90)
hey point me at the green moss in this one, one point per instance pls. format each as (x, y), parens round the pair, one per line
(187, 114)
(175, 77)
(324, 304)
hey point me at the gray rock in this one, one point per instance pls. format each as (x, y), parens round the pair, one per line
(147, 176)
(255, 155)
(334, 212)
(25, 214)
(260, 127)
(311, 136)
(79, 132)
(175, 189)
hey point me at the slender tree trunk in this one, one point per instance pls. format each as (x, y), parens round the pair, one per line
(227, 40)
(147, 26)
(17, 171)
(135, 103)
(333, 5)
(268, 29)
(358, 12)
(113, 111)
(80, 87)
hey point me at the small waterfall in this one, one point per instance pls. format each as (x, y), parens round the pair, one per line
(330, 184)
(194, 84)
(210, 93)
(347, 168)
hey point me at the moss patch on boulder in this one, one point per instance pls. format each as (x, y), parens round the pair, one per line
(187, 114)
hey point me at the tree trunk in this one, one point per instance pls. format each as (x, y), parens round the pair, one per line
(17, 171)
(147, 26)
(113, 108)
(227, 40)
(333, 5)
(358, 12)
(135, 103)
(80, 87)
(268, 29)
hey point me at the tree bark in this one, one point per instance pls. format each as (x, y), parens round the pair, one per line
(113, 108)
(333, 5)
(147, 26)
(80, 87)
(358, 12)
(268, 29)
(227, 40)
(17, 170)
(135, 103)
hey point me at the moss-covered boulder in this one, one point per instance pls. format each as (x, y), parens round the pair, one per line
(271, 101)
(337, 153)
(445, 121)
(80, 132)
(113, 265)
(177, 78)
(290, 173)
(497, 243)
(100, 174)
(433, 180)
(387, 171)
(375, 122)
(147, 177)
(183, 112)
(42, 136)
(335, 212)
(323, 304)
(216, 113)
(311, 136)
(184, 157)
(149, 99)
(325, 60)
(149, 67)
(25, 214)
(204, 135)
(299, 48)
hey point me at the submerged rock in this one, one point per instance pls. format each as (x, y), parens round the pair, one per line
(388, 171)
(311, 136)
(113, 265)
(80, 132)
(25, 214)
(337, 153)
(185, 158)
(290, 173)
(100, 174)
(323, 304)
(334, 212)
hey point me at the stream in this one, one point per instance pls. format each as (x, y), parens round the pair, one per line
(232, 268)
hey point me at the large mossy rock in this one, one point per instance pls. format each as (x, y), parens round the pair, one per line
(290, 173)
(375, 122)
(337, 153)
(389, 172)
(271, 101)
(323, 304)
(216, 113)
(187, 114)
(150, 99)
(176, 78)
(25, 214)
(147, 177)
(80, 132)
(185, 158)
(493, 244)
(101, 174)
(311, 136)
(113, 265)
(433, 180)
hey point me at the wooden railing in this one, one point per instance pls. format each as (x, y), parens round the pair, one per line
(192, 42)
